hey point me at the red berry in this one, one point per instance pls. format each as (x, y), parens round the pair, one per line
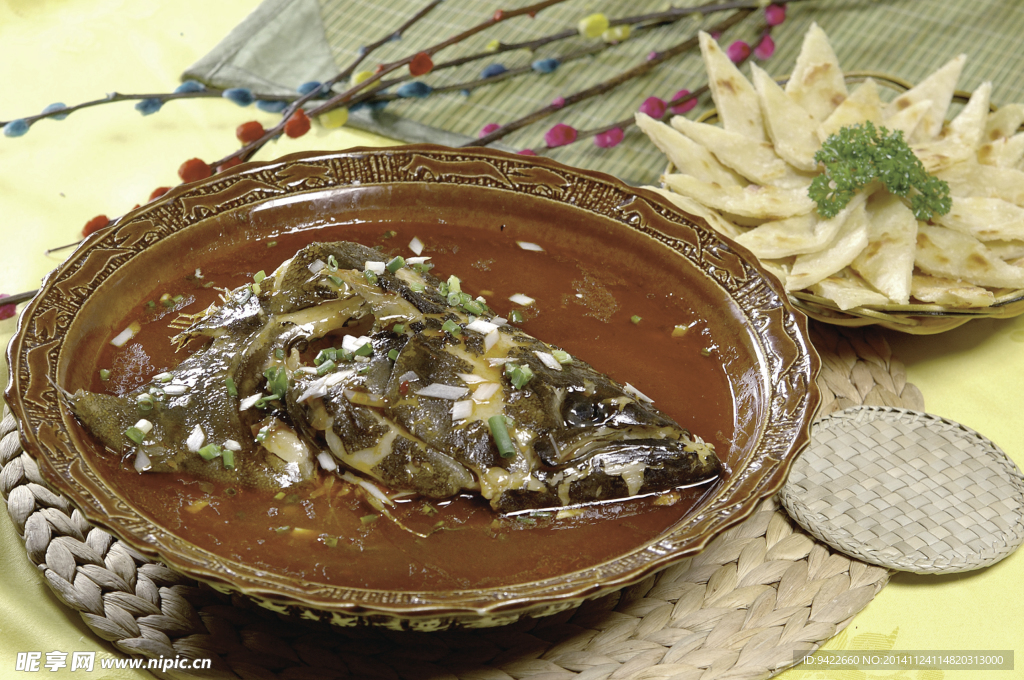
(95, 224)
(229, 163)
(559, 135)
(685, 106)
(499, 15)
(774, 14)
(738, 51)
(653, 107)
(297, 125)
(609, 138)
(7, 311)
(421, 64)
(248, 133)
(158, 192)
(765, 49)
(193, 170)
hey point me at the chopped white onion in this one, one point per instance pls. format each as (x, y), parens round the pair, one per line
(176, 389)
(499, 320)
(629, 389)
(471, 378)
(308, 370)
(124, 336)
(480, 326)
(408, 376)
(141, 461)
(491, 339)
(520, 299)
(249, 402)
(417, 260)
(526, 245)
(485, 391)
(199, 273)
(442, 391)
(462, 409)
(351, 343)
(497, 361)
(144, 425)
(196, 439)
(232, 445)
(416, 245)
(326, 461)
(549, 360)
(375, 267)
(370, 488)
(318, 388)
(316, 265)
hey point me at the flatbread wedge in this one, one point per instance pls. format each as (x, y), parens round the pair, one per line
(887, 262)
(734, 96)
(817, 83)
(949, 254)
(937, 88)
(795, 135)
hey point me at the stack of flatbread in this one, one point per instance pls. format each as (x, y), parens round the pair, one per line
(749, 179)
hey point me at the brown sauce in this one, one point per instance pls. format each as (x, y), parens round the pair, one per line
(323, 532)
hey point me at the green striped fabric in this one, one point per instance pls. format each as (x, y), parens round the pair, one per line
(905, 38)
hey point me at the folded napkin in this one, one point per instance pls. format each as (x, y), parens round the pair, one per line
(285, 43)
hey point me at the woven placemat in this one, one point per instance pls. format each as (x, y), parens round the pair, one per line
(907, 490)
(757, 594)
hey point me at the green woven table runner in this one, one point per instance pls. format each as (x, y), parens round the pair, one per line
(285, 43)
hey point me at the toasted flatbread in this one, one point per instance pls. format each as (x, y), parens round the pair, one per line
(1004, 122)
(986, 219)
(795, 135)
(848, 290)
(862, 105)
(817, 83)
(753, 201)
(686, 155)
(950, 254)
(848, 243)
(734, 96)
(949, 293)
(887, 262)
(712, 217)
(1005, 152)
(973, 179)
(937, 88)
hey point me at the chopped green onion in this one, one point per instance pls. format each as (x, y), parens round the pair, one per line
(326, 367)
(259, 276)
(277, 381)
(232, 389)
(502, 439)
(398, 328)
(422, 267)
(151, 304)
(364, 370)
(364, 351)
(271, 244)
(279, 353)
(393, 354)
(454, 298)
(209, 452)
(165, 300)
(442, 288)
(561, 356)
(417, 287)
(331, 541)
(164, 377)
(369, 519)
(144, 402)
(635, 318)
(705, 351)
(515, 316)
(279, 495)
(256, 290)
(473, 307)
(395, 264)
(335, 280)
(104, 374)
(451, 327)
(332, 263)
(344, 355)
(520, 375)
(282, 530)
(229, 458)
(454, 284)
(135, 434)
(326, 354)
(370, 277)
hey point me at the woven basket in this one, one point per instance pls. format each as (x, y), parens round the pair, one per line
(915, 319)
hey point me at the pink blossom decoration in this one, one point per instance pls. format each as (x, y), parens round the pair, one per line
(738, 51)
(560, 135)
(558, 102)
(488, 129)
(774, 14)
(652, 55)
(653, 107)
(609, 138)
(765, 49)
(685, 106)
(526, 152)
(7, 311)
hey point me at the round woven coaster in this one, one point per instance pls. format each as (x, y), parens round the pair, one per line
(907, 490)
(741, 609)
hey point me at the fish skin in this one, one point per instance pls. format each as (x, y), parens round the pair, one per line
(580, 436)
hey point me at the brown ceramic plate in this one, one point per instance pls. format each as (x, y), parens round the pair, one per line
(744, 379)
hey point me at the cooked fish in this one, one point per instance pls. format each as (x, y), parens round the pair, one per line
(438, 397)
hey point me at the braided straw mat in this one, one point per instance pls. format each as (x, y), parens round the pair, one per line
(740, 609)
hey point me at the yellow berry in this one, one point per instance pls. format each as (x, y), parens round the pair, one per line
(593, 26)
(334, 118)
(615, 34)
(493, 46)
(360, 76)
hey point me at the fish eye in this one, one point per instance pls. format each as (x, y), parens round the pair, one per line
(580, 410)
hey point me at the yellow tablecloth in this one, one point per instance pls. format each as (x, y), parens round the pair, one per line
(107, 159)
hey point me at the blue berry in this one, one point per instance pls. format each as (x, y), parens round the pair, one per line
(271, 106)
(492, 70)
(239, 95)
(545, 65)
(372, 106)
(148, 106)
(414, 89)
(16, 128)
(311, 86)
(56, 107)
(465, 93)
(190, 86)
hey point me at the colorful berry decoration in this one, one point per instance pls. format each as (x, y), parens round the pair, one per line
(774, 14)
(229, 163)
(360, 77)
(653, 107)
(239, 95)
(16, 128)
(271, 106)
(685, 106)
(189, 86)
(95, 224)
(609, 138)
(560, 135)
(148, 106)
(7, 311)
(492, 70)
(193, 170)
(592, 26)
(488, 129)
(493, 46)
(526, 152)
(56, 106)
(615, 34)
(738, 51)
(334, 118)
(499, 15)
(311, 86)
(297, 125)
(421, 64)
(158, 192)
(414, 88)
(249, 132)
(545, 65)
(558, 102)
(765, 49)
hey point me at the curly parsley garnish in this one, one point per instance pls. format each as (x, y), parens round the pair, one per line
(861, 153)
